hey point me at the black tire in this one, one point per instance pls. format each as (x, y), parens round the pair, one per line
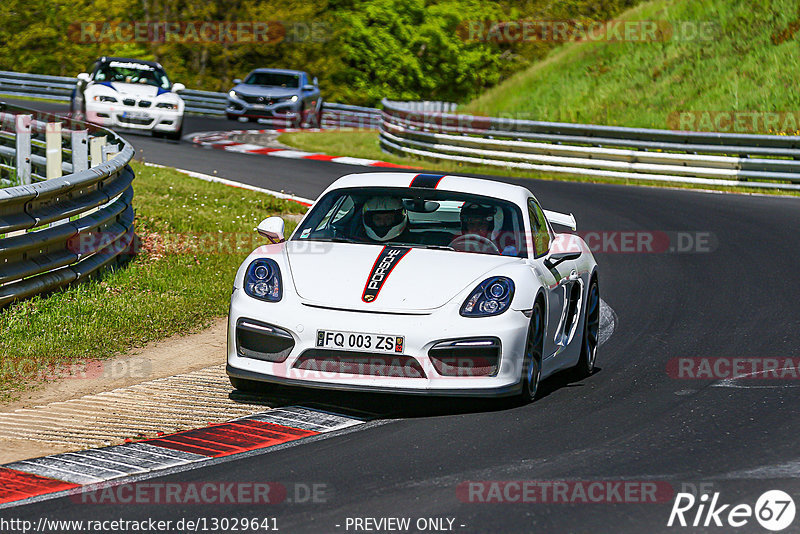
(248, 386)
(591, 333)
(299, 122)
(231, 117)
(175, 136)
(531, 374)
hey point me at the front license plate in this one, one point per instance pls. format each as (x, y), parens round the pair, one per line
(135, 115)
(332, 339)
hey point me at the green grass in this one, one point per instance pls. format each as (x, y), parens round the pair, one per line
(3, 97)
(750, 64)
(361, 144)
(178, 283)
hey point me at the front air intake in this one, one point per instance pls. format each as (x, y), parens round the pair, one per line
(466, 357)
(262, 341)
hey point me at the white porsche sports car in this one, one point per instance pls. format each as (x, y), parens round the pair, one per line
(417, 284)
(130, 93)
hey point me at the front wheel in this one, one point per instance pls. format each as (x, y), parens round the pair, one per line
(175, 136)
(591, 333)
(532, 363)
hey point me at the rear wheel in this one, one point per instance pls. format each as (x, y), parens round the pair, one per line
(532, 364)
(591, 333)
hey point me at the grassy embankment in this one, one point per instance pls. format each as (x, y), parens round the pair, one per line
(734, 56)
(194, 235)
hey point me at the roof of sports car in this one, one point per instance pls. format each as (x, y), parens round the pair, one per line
(489, 188)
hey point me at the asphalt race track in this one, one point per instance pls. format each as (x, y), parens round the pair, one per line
(631, 421)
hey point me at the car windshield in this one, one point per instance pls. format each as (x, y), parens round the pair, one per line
(273, 79)
(131, 72)
(409, 217)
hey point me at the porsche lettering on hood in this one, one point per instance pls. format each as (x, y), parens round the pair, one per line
(420, 280)
(387, 260)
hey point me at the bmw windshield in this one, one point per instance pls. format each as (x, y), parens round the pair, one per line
(131, 72)
(436, 219)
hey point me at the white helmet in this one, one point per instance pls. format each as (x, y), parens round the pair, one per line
(384, 218)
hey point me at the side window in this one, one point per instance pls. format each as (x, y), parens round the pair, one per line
(539, 231)
(340, 210)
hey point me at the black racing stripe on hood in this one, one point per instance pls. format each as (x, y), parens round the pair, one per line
(384, 264)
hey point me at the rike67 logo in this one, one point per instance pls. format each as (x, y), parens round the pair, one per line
(774, 510)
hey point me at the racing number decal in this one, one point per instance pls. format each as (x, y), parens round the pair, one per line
(386, 261)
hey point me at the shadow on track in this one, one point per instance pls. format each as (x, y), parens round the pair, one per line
(372, 406)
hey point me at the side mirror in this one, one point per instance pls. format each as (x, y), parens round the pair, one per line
(552, 261)
(315, 82)
(237, 81)
(272, 229)
(178, 87)
(308, 87)
(84, 77)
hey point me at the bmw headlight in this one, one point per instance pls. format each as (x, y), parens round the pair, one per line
(263, 280)
(104, 98)
(167, 105)
(233, 94)
(492, 297)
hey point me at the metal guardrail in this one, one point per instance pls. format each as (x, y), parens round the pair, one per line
(761, 161)
(60, 230)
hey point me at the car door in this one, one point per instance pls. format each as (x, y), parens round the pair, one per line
(564, 289)
(541, 239)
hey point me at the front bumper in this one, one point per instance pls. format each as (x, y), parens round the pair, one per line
(421, 332)
(118, 116)
(280, 110)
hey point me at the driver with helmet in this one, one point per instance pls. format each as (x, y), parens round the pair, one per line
(385, 219)
(480, 226)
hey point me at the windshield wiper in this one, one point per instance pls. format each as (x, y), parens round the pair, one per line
(333, 239)
(434, 247)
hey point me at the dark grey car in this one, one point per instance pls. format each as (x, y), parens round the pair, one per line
(276, 93)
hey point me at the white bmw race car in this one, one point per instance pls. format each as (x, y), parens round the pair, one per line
(129, 93)
(417, 284)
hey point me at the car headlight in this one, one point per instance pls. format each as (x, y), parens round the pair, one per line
(263, 280)
(294, 98)
(233, 94)
(167, 105)
(104, 98)
(492, 297)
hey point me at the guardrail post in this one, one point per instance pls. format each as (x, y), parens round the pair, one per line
(96, 150)
(109, 151)
(80, 150)
(23, 131)
(53, 149)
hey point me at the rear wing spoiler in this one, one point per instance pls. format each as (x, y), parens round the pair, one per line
(561, 218)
